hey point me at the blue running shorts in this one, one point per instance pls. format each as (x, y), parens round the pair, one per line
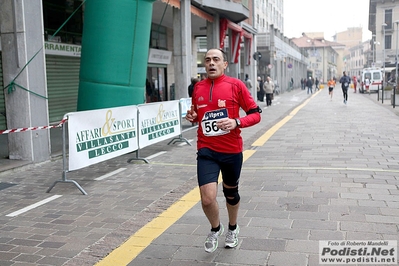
(210, 163)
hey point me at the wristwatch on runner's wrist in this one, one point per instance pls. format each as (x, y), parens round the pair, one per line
(238, 122)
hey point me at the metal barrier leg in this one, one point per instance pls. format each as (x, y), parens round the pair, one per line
(137, 158)
(64, 178)
(179, 139)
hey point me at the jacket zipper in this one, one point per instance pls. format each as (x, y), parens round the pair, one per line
(210, 91)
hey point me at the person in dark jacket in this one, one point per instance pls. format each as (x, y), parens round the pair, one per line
(260, 91)
(345, 81)
(191, 86)
(316, 82)
(309, 84)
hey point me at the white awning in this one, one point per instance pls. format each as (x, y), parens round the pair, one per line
(389, 69)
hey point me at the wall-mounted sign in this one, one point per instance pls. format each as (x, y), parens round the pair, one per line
(156, 56)
(66, 49)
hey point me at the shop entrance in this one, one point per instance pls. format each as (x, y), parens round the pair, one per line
(156, 89)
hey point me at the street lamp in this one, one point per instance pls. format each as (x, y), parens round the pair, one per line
(372, 61)
(383, 61)
(396, 64)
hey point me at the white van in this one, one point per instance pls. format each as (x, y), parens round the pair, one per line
(374, 76)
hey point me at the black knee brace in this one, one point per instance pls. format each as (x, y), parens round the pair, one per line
(231, 195)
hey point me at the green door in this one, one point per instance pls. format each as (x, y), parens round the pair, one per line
(62, 85)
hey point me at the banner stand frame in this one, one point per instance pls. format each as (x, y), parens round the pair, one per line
(65, 170)
(138, 150)
(137, 158)
(180, 138)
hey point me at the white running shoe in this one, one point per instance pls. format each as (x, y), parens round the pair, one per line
(211, 242)
(232, 238)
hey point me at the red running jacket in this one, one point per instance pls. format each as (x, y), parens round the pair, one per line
(220, 94)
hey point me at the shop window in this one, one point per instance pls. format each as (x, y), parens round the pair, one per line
(202, 44)
(158, 37)
(388, 18)
(388, 42)
(55, 13)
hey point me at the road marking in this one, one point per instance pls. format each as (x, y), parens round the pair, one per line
(185, 143)
(110, 174)
(129, 250)
(321, 168)
(155, 155)
(30, 207)
(268, 134)
(293, 168)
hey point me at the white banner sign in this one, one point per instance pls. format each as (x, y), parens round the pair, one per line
(185, 104)
(158, 121)
(99, 135)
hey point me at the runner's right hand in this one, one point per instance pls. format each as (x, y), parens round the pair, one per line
(191, 114)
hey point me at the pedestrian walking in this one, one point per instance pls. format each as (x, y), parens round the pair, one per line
(303, 83)
(367, 84)
(268, 87)
(331, 85)
(191, 86)
(345, 81)
(216, 103)
(309, 84)
(248, 83)
(316, 84)
(354, 83)
(259, 88)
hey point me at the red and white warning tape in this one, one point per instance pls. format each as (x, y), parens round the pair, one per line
(32, 128)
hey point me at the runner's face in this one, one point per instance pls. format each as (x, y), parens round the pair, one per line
(214, 63)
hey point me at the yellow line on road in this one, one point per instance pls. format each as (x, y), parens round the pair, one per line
(125, 253)
(268, 134)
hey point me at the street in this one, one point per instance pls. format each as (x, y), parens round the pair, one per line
(315, 170)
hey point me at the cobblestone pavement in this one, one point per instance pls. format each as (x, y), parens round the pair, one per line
(329, 173)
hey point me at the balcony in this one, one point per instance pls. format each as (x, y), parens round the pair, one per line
(234, 10)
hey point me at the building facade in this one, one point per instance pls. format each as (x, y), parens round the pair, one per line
(267, 13)
(384, 25)
(322, 54)
(181, 32)
(276, 55)
(172, 60)
(359, 57)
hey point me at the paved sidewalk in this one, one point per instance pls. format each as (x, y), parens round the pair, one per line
(329, 173)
